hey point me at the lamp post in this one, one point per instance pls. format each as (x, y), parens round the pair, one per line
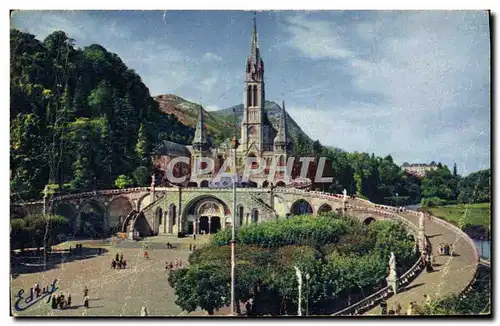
(45, 195)
(233, 240)
(397, 199)
(307, 287)
(299, 280)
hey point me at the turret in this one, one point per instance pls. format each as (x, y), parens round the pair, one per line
(281, 141)
(200, 141)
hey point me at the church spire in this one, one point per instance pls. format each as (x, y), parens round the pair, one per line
(255, 65)
(254, 46)
(281, 140)
(200, 135)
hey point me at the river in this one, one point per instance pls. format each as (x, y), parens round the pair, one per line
(484, 249)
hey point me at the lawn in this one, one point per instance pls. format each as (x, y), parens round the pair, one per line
(462, 214)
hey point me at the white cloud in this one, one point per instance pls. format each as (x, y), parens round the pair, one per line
(210, 56)
(316, 39)
(426, 73)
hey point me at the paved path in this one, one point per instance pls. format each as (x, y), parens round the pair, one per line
(111, 292)
(451, 276)
(123, 292)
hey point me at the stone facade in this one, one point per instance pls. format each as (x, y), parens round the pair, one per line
(419, 169)
(258, 138)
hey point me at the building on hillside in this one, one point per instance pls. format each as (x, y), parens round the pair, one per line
(419, 169)
(257, 137)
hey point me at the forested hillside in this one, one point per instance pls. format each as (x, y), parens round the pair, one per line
(79, 118)
(222, 124)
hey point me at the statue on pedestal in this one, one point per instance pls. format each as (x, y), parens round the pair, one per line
(392, 279)
(392, 265)
(345, 194)
(153, 181)
(421, 221)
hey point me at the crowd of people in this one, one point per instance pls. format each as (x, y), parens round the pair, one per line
(170, 266)
(413, 307)
(61, 302)
(446, 249)
(78, 249)
(118, 262)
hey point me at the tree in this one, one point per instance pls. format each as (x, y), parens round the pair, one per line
(123, 182)
(141, 176)
(343, 257)
(205, 286)
(53, 87)
(476, 187)
(438, 183)
(143, 147)
(37, 230)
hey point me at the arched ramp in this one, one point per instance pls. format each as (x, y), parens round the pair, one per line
(70, 212)
(92, 219)
(325, 208)
(118, 210)
(17, 211)
(301, 207)
(369, 220)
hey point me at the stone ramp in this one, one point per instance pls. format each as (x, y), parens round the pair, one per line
(451, 276)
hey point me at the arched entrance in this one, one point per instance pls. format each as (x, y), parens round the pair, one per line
(70, 212)
(280, 184)
(265, 184)
(172, 215)
(158, 220)
(204, 184)
(255, 216)
(368, 220)
(240, 215)
(209, 213)
(204, 225)
(141, 225)
(301, 207)
(212, 208)
(118, 210)
(325, 208)
(216, 225)
(92, 219)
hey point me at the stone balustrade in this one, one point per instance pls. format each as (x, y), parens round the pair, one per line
(374, 299)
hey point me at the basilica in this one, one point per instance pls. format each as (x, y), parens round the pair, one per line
(257, 138)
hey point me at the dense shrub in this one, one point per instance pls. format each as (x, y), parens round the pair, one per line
(299, 230)
(343, 258)
(36, 231)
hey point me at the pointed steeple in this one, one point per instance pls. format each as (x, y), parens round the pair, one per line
(200, 135)
(255, 65)
(254, 45)
(281, 140)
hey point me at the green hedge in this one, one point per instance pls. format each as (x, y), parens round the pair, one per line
(342, 256)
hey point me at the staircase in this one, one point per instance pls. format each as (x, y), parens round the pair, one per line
(263, 206)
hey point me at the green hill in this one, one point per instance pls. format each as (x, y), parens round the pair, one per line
(221, 124)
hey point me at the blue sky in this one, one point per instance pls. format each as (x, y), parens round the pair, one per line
(415, 85)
